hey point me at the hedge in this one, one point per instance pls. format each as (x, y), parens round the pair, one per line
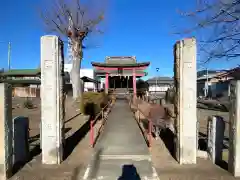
(92, 102)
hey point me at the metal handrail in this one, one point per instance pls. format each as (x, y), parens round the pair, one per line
(93, 121)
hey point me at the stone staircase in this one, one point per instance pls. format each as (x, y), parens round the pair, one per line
(121, 93)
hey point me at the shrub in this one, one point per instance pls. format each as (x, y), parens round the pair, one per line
(93, 102)
(170, 95)
(28, 104)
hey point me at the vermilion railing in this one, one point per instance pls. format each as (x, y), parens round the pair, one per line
(93, 121)
(149, 130)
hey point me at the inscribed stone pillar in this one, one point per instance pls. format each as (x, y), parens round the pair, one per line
(234, 129)
(6, 129)
(106, 83)
(216, 128)
(185, 100)
(52, 100)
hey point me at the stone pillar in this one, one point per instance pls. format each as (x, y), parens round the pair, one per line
(234, 129)
(134, 83)
(216, 128)
(52, 100)
(106, 83)
(185, 76)
(6, 131)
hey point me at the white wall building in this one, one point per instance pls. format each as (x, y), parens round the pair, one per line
(83, 72)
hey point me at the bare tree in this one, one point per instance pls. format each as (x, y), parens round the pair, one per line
(75, 20)
(217, 26)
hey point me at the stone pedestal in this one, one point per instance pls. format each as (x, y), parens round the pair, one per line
(216, 128)
(162, 102)
(234, 129)
(52, 100)
(6, 131)
(185, 103)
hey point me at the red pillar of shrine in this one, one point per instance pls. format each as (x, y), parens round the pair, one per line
(134, 83)
(106, 82)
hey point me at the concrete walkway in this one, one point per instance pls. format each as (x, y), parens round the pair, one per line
(121, 151)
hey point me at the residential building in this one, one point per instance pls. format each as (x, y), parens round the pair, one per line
(216, 83)
(160, 84)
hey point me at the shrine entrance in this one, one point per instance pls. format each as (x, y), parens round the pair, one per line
(120, 72)
(120, 82)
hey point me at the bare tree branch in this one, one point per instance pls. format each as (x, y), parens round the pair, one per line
(218, 21)
(75, 20)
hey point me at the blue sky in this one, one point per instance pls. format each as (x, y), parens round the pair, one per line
(133, 27)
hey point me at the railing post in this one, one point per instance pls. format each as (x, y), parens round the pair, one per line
(91, 133)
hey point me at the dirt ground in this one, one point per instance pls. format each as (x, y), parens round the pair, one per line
(79, 151)
(168, 168)
(76, 154)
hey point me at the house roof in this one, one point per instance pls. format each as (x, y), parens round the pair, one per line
(207, 77)
(203, 73)
(235, 72)
(163, 78)
(120, 60)
(22, 81)
(21, 72)
(87, 79)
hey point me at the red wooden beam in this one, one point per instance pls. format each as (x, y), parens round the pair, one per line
(123, 68)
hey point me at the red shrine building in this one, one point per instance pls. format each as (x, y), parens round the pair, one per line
(120, 72)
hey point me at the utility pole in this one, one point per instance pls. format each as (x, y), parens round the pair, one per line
(157, 69)
(207, 81)
(9, 55)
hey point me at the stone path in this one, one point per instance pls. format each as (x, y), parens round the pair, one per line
(121, 151)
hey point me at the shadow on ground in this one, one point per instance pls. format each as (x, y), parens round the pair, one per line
(35, 150)
(202, 145)
(129, 172)
(214, 107)
(72, 141)
(168, 138)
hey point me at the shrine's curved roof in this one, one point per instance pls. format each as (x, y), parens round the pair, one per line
(142, 64)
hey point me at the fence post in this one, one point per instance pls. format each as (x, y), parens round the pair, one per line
(216, 128)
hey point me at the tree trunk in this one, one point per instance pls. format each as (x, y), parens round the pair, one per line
(75, 72)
